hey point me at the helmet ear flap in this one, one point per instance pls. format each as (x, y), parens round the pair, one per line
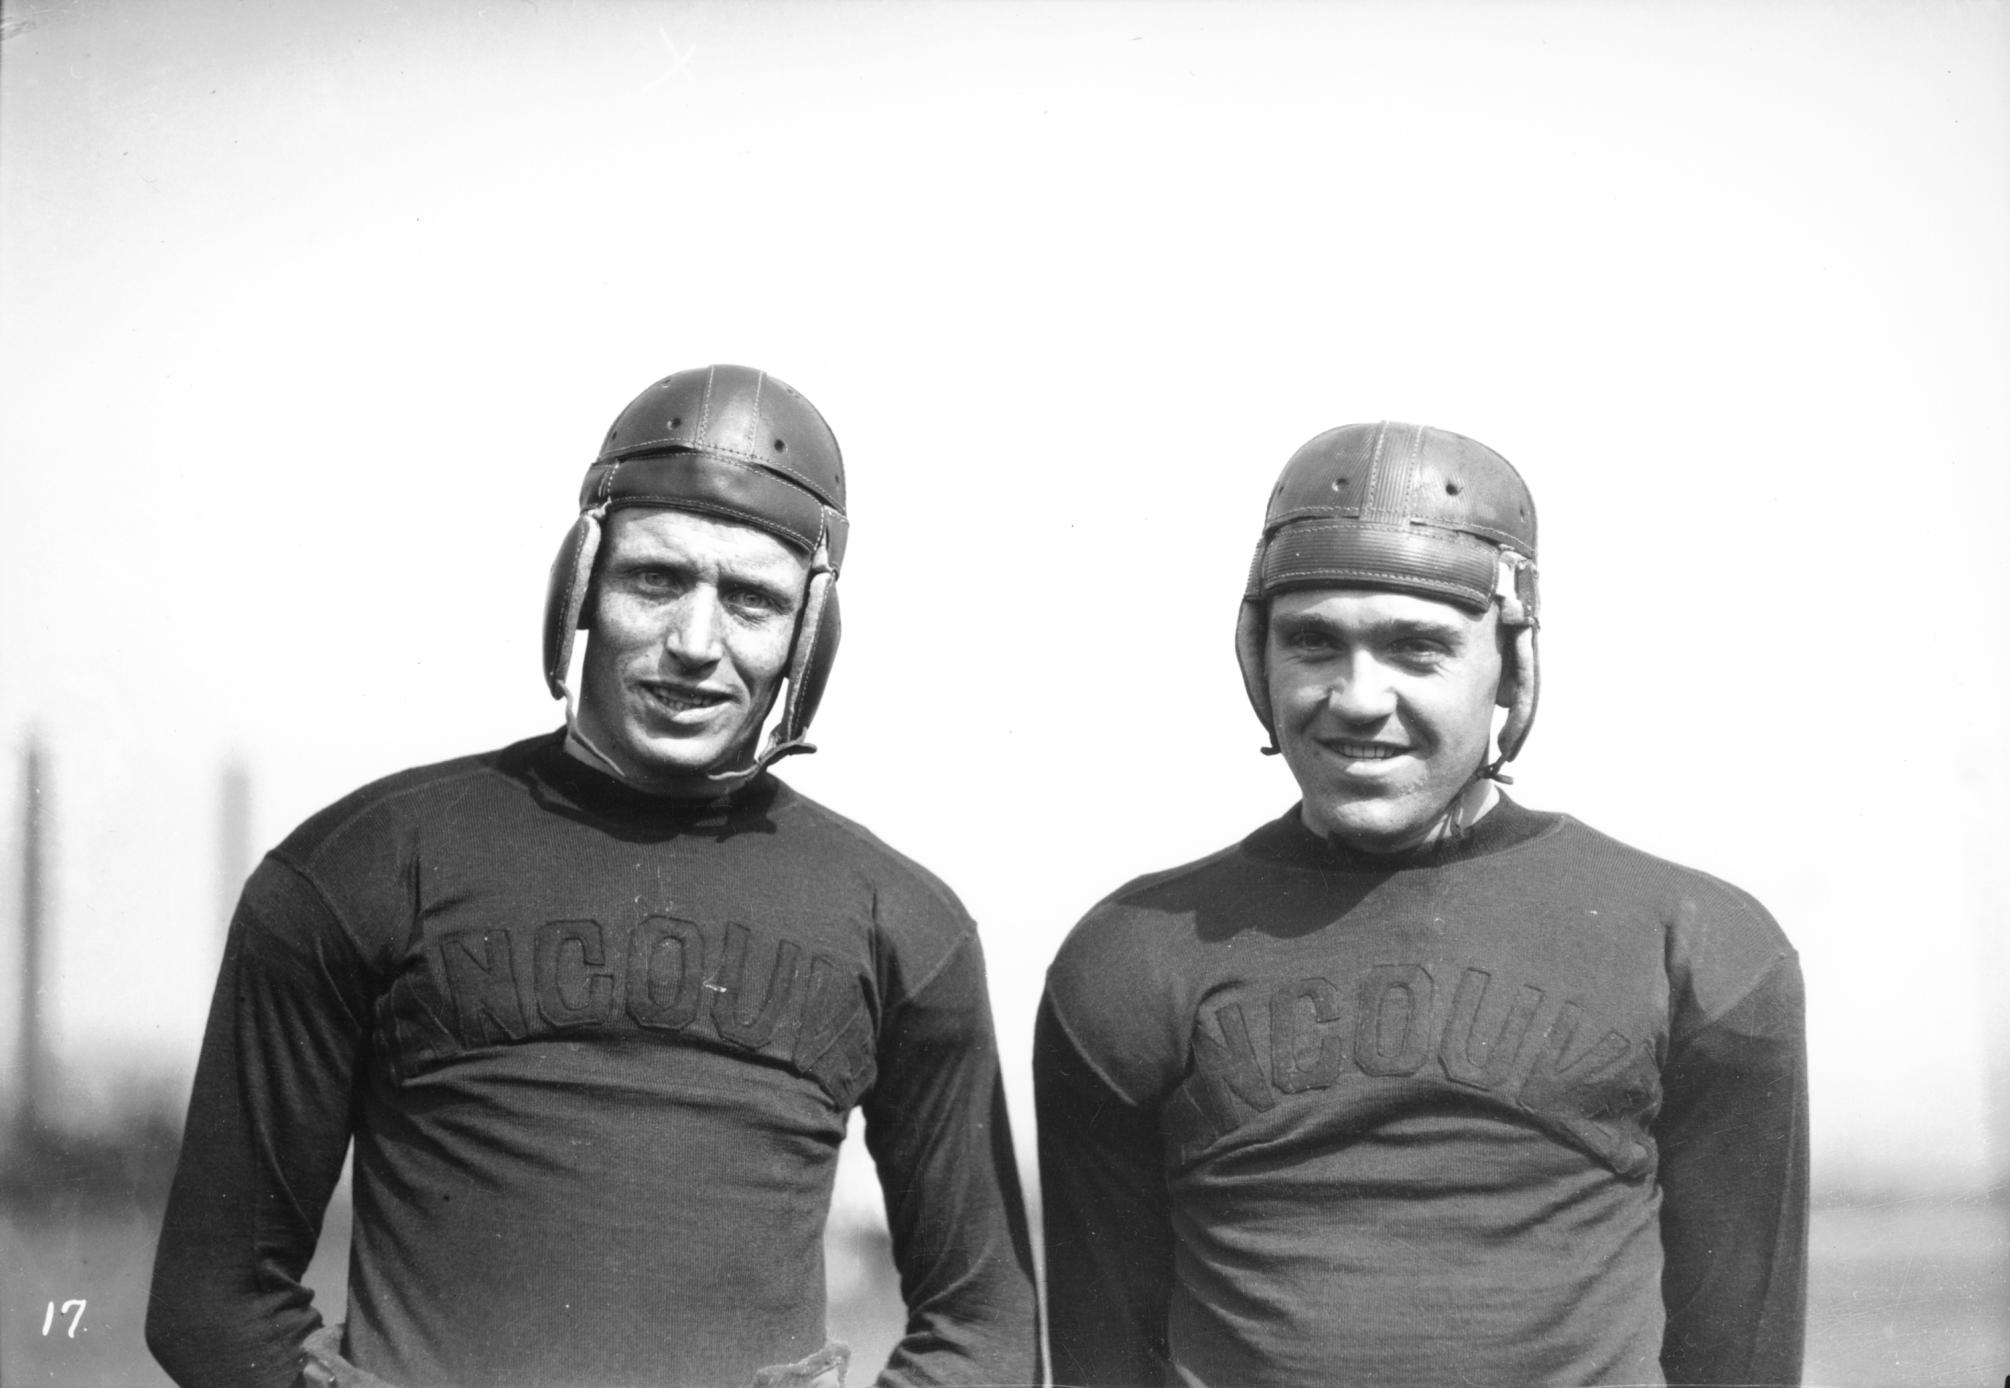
(565, 597)
(1251, 633)
(816, 651)
(1523, 687)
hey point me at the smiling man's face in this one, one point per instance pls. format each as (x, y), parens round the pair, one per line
(692, 624)
(1384, 707)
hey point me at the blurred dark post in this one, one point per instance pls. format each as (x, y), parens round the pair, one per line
(233, 843)
(1995, 915)
(35, 811)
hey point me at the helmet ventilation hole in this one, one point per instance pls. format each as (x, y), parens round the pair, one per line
(1339, 484)
(676, 421)
(781, 447)
(1451, 488)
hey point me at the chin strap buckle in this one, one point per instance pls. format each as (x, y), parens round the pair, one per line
(778, 747)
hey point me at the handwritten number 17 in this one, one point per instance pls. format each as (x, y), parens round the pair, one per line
(76, 1316)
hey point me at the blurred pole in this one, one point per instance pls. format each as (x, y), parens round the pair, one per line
(233, 843)
(35, 812)
(1986, 831)
(1987, 827)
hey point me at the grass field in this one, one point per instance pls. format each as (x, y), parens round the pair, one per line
(1901, 1294)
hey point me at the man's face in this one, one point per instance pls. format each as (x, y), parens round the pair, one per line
(1384, 707)
(691, 630)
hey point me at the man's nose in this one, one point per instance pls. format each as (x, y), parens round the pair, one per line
(1361, 691)
(694, 635)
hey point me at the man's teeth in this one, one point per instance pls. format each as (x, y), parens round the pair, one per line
(1366, 751)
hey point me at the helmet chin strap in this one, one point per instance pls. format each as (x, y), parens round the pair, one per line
(1467, 808)
(778, 747)
(1521, 711)
(581, 748)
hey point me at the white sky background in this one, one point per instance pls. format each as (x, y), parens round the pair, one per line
(311, 317)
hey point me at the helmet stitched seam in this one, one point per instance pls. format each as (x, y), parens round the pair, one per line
(751, 462)
(1449, 585)
(1300, 522)
(705, 403)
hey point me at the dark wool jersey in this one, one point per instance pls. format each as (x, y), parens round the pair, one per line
(596, 1052)
(1526, 1108)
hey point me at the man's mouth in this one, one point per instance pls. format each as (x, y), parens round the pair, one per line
(682, 698)
(1362, 751)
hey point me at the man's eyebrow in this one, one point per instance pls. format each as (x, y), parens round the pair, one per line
(1311, 621)
(1386, 628)
(1419, 626)
(633, 562)
(785, 589)
(780, 592)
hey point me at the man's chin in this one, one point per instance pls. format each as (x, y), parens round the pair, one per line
(704, 752)
(688, 759)
(673, 765)
(1368, 825)
(672, 759)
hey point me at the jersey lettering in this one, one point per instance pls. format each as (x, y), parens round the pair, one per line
(484, 987)
(1394, 1037)
(573, 987)
(1578, 1091)
(732, 988)
(1228, 1070)
(721, 985)
(1395, 1030)
(1295, 1009)
(666, 972)
(1468, 1055)
(834, 1042)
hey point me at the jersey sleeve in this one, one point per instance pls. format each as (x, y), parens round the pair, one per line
(1107, 1219)
(937, 1129)
(1733, 1135)
(268, 1125)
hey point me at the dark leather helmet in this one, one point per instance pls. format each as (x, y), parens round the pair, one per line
(733, 443)
(1407, 507)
